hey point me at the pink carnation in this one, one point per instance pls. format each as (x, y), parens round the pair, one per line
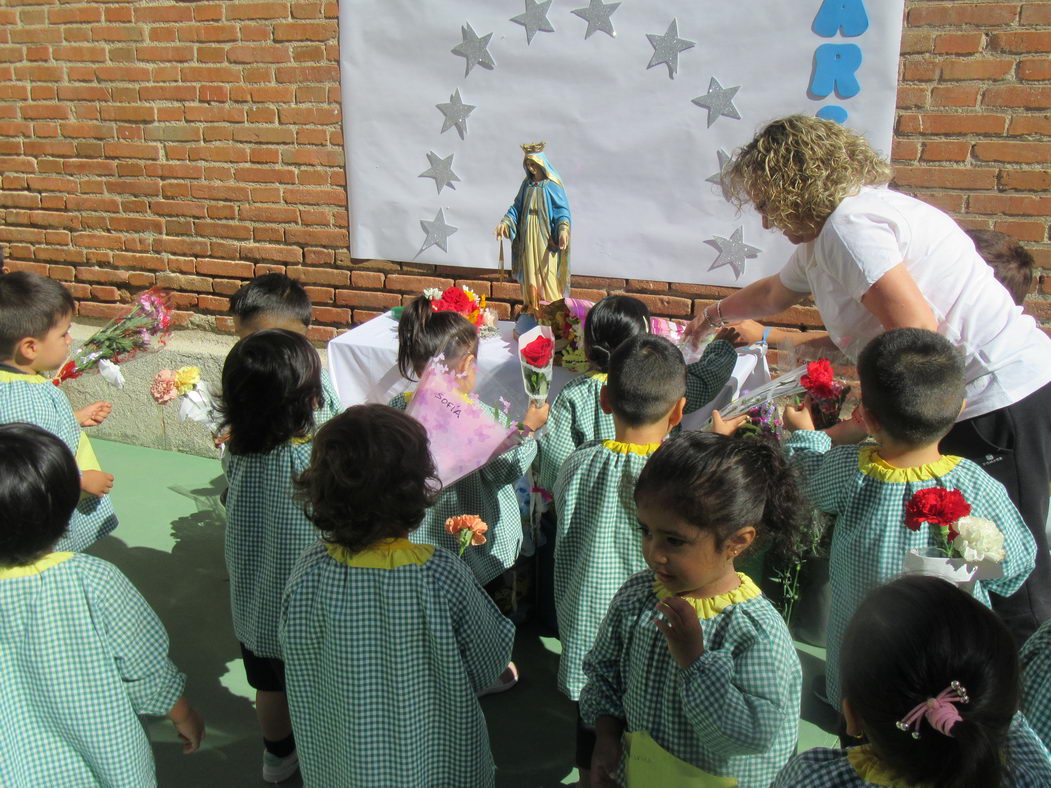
(163, 389)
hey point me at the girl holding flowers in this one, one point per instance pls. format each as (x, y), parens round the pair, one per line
(271, 387)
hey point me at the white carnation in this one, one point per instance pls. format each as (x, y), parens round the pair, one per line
(978, 540)
(432, 293)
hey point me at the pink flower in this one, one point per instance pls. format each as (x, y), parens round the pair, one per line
(163, 389)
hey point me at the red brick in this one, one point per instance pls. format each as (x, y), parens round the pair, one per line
(322, 276)
(106, 311)
(1027, 96)
(264, 53)
(1023, 231)
(263, 252)
(309, 116)
(305, 31)
(316, 196)
(945, 177)
(99, 240)
(358, 298)
(417, 284)
(229, 268)
(1010, 204)
(223, 230)
(1022, 152)
(1022, 42)
(327, 314)
(957, 43)
(959, 13)
(242, 10)
(946, 150)
(916, 42)
(975, 69)
(371, 279)
(1035, 70)
(152, 262)
(1030, 124)
(1025, 180)
(1036, 14)
(962, 124)
(954, 95)
(213, 303)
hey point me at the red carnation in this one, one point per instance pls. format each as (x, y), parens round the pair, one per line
(538, 352)
(819, 380)
(68, 372)
(937, 506)
(453, 300)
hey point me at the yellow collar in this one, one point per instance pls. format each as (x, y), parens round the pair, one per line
(384, 554)
(870, 770)
(710, 607)
(643, 449)
(299, 441)
(21, 377)
(35, 568)
(871, 464)
(407, 396)
(599, 376)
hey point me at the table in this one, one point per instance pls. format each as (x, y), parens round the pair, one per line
(364, 367)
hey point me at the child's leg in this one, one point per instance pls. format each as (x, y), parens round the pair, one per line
(267, 676)
(585, 749)
(272, 710)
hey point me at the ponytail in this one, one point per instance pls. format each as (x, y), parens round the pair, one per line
(424, 334)
(611, 322)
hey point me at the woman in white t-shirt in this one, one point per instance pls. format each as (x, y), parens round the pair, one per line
(874, 259)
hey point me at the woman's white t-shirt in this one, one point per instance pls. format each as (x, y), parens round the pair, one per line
(1007, 356)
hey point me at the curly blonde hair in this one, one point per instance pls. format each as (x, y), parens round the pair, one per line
(798, 169)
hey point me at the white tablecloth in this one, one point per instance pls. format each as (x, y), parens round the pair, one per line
(364, 367)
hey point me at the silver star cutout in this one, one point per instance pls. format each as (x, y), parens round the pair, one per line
(719, 102)
(473, 49)
(534, 18)
(438, 233)
(733, 251)
(441, 170)
(666, 48)
(724, 162)
(456, 113)
(597, 15)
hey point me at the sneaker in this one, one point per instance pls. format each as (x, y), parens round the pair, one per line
(277, 770)
(503, 683)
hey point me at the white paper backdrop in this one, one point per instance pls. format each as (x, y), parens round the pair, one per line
(633, 151)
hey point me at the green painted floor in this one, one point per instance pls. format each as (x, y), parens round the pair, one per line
(170, 544)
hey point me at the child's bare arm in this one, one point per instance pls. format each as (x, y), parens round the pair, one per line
(188, 724)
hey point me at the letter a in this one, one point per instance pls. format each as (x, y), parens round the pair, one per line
(846, 15)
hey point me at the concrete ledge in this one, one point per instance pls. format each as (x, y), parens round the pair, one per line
(136, 418)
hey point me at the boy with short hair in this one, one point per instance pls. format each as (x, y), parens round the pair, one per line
(35, 316)
(1012, 265)
(912, 390)
(81, 652)
(598, 545)
(278, 301)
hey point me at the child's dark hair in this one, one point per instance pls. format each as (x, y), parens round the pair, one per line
(647, 376)
(609, 323)
(370, 477)
(271, 386)
(912, 382)
(1011, 263)
(722, 484)
(907, 642)
(30, 306)
(424, 334)
(271, 294)
(39, 488)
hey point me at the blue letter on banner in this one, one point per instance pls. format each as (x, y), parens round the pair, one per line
(848, 15)
(834, 67)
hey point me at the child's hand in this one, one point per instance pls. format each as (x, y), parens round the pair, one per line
(96, 483)
(732, 335)
(721, 427)
(681, 629)
(799, 418)
(221, 438)
(188, 724)
(536, 415)
(605, 760)
(94, 414)
(853, 430)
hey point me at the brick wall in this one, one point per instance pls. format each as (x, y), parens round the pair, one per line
(194, 145)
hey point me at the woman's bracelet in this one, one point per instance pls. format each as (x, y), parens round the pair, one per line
(718, 322)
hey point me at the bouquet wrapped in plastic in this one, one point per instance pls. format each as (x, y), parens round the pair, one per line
(144, 329)
(197, 403)
(536, 351)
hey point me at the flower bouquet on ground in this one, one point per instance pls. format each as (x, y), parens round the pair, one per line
(469, 529)
(536, 350)
(463, 432)
(197, 403)
(967, 549)
(826, 393)
(145, 328)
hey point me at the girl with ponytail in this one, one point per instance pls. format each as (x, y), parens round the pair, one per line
(931, 681)
(692, 665)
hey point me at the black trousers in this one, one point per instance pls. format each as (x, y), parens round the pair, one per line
(1013, 445)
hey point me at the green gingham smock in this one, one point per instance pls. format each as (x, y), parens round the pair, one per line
(35, 400)
(385, 651)
(332, 405)
(734, 712)
(1036, 682)
(81, 655)
(870, 538)
(598, 545)
(488, 492)
(266, 530)
(576, 416)
(858, 767)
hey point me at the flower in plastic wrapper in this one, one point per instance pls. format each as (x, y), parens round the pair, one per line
(538, 352)
(111, 373)
(186, 379)
(937, 506)
(163, 389)
(469, 529)
(978, 539)
(536, 349)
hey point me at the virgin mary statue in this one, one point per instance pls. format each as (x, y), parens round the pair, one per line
(538, 225)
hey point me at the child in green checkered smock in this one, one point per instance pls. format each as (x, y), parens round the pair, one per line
(693, 675)
(930, 682)
(82, 654)
(271, 385)
(34, 339)
(1036, 682)
(278, 301)
(386, 642)
(488, 492)
(912, 390)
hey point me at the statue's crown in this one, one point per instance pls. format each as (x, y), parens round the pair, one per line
(533, 147)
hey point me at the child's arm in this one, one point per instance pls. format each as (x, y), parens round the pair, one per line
(605, 758)
(97, 483)
(603, 695)
(992, 502)
(188, 724)
(826, 475)
(706, 377)
(556, 444)
(94, 414)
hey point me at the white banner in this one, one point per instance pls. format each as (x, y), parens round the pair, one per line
(635, 146)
